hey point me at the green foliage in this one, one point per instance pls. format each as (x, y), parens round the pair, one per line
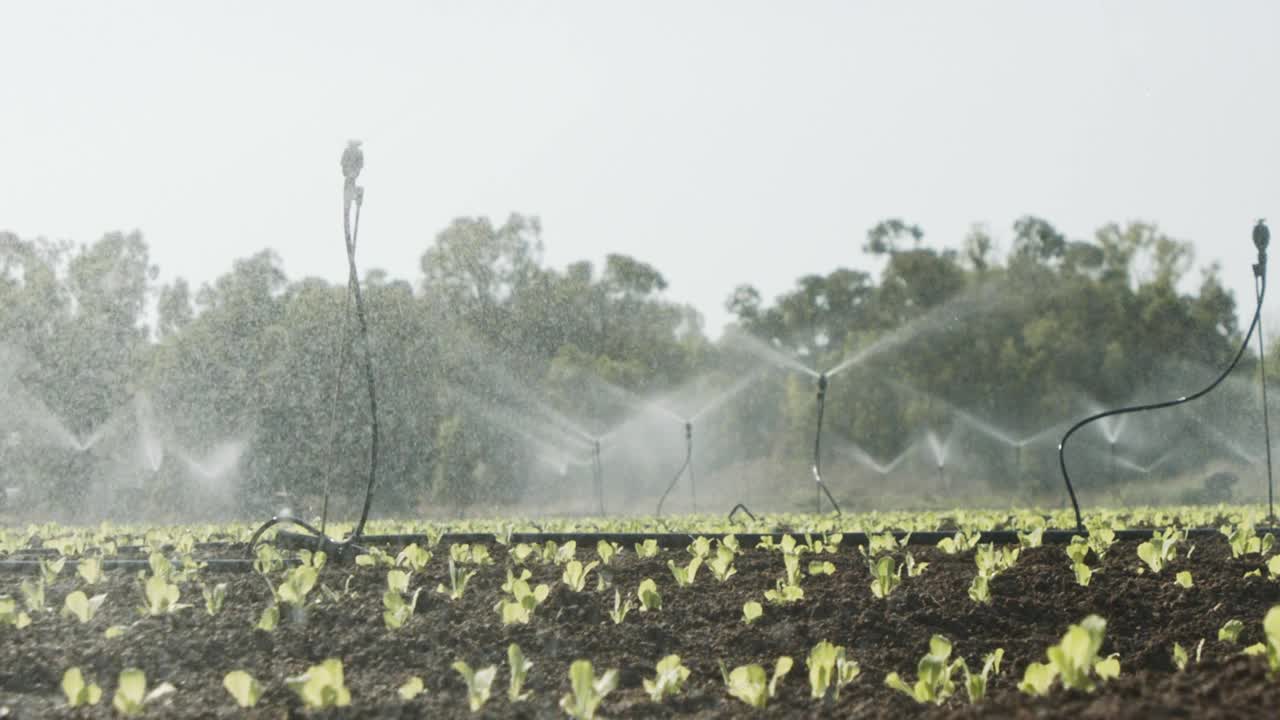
(751, 611)
(749, 683)
(412, 688)
(321, 686)
(81, 607)
(588, 690)
(214, 597)
(934, 683)
(960, 542)
(269, 619)
(90, 570)
(721, 564)
(520, 667)
(161, 597)
(479, 683)
(684, 575)
(886, 576)
(298, 582)
(523, 601)
(575, 574)
(1184, 579)
(1230, 631)
(243, 688)
(78, 692)
(975, 684)
(413, 557)
(620, 607)
(829, 670)
(647, 549)
(1160, 550)
(1074, 661)
(607, 551)
(669, 680)
(458, 579)
(648, 594)
(50, 569)
(131, 695)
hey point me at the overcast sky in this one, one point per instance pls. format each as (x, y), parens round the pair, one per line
(723, 142)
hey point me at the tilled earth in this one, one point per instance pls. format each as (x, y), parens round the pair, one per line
(1034, 602)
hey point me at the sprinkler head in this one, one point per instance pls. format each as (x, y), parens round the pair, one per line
(1261, 236)
(688, 430)
(822, 383)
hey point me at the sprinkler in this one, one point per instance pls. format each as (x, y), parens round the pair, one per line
(352, 164)
(1261, 238)
(817, 448)
(687, 465)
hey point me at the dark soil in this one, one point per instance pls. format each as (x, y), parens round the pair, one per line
(1033, 604)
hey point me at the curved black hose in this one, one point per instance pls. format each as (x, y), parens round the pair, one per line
(323, 541)
(1062, 446)
(817, 448)
(743, 508)
(352, 234)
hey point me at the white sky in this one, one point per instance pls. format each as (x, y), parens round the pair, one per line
(723, 142)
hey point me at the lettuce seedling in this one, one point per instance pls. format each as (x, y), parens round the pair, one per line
(648, 594)
(1074, 660)
(886, 576)
(520, 667)
(980, 589)
(321, 686)
(1038, 679)
(565, 553)
(700, 547)
(933, 675)
(685, 575)
(669, 680)
(784, 593)
(588, 690)
(975, 684)
(1270, 647)
(1083, 573)
(823, 567)
(82, 607)
(647, 549)
(721, 565)
(524, 600)
(992, 561)
(479, 683)
(375, 556)
(297, 583)
(90, 570)
(828, 668)
(960, 542)
(412, 688)
(413, 557)
(131, 692)
(398, 611)
(575, 574)
(1230, 631)
(1160, 550)
(1032, 538)
(267, 559)
(749, 683)
(50, 569)
(243, 688)
(620, 607)
(1244, 540)
(458, 579)
(1183, 578)
(607, 551)
(751, 611)
(214, 597)
(161, 597)
(269, 619)
(10, 615)
(311, 559)
(78, 692)
(1077, 550)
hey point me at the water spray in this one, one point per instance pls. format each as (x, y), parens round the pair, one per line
(817, 449)
(688, 465)
(1261, 238)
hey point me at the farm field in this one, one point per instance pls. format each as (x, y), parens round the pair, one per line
(882, 603)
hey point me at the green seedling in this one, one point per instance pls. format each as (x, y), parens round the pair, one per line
(980, 589)
(458, 579)
(524, 600)
(648, 594)
(78, 692)
(751, 611)
(647, 549)
(575, 574)
(1083, 574)
(413, 557)
(214, 597)
(886, 576)
(82, 607)
(685, 575)
(588, 690)
(1230, 631)
(131, 692)
(269, 619)
(1074, 661)
(520, 667)
(749, 683)
(321, 686)
(50, 569)
(397, 610)
(829, 669)
(620, 607)
(297, 583)
(161, 597)
(479, 683)
(669, 680)
(1183, 578)
(90, 570)
(700, 547)
(412, 688)
(1160, 550)
(934, 683)
(826, 567)
(975, 684)
(784, 593)
(721, 565)
(607, 551)
(243, 688)
(960, 542)
(1270, 647)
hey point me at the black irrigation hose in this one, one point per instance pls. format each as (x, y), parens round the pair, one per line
(368, 363)
(743, 508)
(1259, 288)
(1260, 272)
(688, 462)
(817, 448)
